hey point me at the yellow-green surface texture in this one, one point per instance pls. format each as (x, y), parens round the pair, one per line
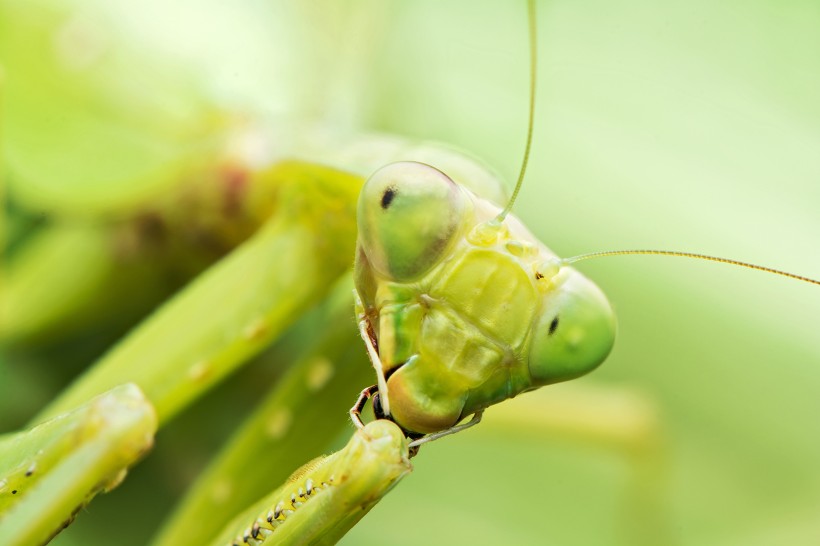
(683, 125)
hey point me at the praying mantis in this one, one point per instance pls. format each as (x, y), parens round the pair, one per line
(683, 384)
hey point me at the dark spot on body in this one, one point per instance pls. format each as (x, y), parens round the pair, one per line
(387, 197)
(538, 275)
(553, 325)
(29, 473)
(13, 491)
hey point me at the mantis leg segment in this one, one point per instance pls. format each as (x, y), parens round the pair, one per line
(298, 420)
(369, 338)
(325, 498)
(476, 419)
(237, 307)
(49, 473)
(356, 410)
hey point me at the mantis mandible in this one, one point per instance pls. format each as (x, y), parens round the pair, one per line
(196, 369)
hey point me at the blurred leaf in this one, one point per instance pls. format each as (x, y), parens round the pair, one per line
(91, 125)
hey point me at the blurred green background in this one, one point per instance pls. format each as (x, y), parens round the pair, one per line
(685, 125)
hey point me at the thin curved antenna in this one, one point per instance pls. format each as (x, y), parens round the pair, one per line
(581, 257)
(530, 122)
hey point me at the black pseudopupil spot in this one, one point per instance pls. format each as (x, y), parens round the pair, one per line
(388, 196)
(553, 325)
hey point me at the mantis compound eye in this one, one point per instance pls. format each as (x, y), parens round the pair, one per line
(575, 334)
(408, 215)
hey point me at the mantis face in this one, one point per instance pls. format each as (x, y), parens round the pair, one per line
(464, 311)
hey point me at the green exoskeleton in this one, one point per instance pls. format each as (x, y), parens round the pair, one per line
(464, 311)
(324, 498)
(459, 305)
(48, 474)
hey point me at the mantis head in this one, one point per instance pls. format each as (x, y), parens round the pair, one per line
(463, 310)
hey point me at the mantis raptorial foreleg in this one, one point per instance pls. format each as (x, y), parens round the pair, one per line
(238, 306)
(48, 473)
(326, 497)
(244, 302)
(298, 419)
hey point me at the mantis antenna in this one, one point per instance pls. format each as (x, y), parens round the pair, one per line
(567, 261)
(530, 122)
(603, 253)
